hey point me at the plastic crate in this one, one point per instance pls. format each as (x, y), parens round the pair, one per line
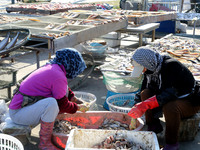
(85, 139)
(121, 102)
(91, 120)
(9, 142)
(87, 97)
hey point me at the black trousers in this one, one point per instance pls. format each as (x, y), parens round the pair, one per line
(173, 112)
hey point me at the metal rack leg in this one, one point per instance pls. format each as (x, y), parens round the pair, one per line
(195, 21)
(153, 35)
(38, 59)
(140, 39)
(9, 92)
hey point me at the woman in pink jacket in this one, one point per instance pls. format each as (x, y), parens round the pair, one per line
(45, 93)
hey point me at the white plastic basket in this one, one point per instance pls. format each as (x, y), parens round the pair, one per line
(85, 139)
(121, 102)
(9, 142)
(87, 97)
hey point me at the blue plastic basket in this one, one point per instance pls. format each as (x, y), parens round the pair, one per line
(121, 102)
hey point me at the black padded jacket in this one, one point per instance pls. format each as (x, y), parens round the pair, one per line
(176, 81)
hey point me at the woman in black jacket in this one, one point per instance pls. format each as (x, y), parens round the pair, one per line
(168, 87)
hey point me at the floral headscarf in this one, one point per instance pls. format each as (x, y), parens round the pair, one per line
(72, 61)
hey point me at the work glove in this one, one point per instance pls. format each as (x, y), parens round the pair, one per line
(140, 108)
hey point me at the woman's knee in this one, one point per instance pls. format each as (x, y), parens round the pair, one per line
(171, 108)
(52, 104)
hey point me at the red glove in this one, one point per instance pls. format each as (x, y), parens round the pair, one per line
(140, 108)
(65, 106)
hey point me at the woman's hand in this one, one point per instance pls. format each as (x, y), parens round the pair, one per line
(83, 107)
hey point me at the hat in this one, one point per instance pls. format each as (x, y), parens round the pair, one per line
(137, 70)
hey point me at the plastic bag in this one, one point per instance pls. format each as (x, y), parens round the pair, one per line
(119, 83)
(3, 107)
(9, 127)
(3, 110)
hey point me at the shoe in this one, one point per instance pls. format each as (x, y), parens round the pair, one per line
(171, 147)
(45, 136)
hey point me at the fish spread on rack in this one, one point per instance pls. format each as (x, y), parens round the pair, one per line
(50, 26)
(57, 35)
(60, 27)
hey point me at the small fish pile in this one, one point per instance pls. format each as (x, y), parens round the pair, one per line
(69, 15)
(117, 142)
(63, 126)
(7, 19)
(112, 124)
(57, 35)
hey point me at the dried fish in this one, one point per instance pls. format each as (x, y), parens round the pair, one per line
(126, 102)
(12, 43)
(113, 124)
(92, 16)
(63, 126)
(74, 15)
(117, 142)
(50, 26)
(4, 42)
(57, 35)
(60, 27)
(70, 15)
(37, 20)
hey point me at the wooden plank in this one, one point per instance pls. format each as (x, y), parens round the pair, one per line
(152, 18)
(141, 29)
(88, 34)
